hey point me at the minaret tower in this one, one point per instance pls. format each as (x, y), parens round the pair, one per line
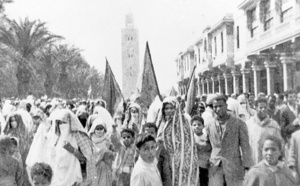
(130, 57)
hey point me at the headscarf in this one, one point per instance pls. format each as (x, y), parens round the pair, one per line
(104, 115)
(233, 105)
(128, 120)
(179, 143)
(69, 117)
(245, 110)
(21, 128)
(82, 115)
(101, 143)
(83, 141)
(39, 144)
(97, 122)
(154, 110)
(8, 108)
(161, 122)
(21, 133)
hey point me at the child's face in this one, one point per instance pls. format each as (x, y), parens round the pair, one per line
(99, 131)
(40, 180)
(151, 131)
(197, 127)
(271, 152)
(127, 139)
(148, 151)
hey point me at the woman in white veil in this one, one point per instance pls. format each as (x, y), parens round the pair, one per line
(68, 145)
(38, 146)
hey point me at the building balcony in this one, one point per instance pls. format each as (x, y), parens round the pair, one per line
(277, 34)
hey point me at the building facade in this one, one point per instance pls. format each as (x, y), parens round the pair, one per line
(185, 64)
(130, 57)
(256, 49)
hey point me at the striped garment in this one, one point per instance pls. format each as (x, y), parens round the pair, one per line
(179, 143)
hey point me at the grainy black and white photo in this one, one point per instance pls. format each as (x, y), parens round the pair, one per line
(149, 93)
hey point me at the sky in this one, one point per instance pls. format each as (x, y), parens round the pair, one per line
(94, 26)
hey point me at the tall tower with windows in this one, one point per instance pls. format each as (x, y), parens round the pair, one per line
(130, 57)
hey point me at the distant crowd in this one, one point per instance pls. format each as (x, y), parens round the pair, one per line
(218, 140)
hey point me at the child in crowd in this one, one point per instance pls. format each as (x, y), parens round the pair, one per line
(203, 146)
(103, 153)
(145, 172)
(162, 156)
(14, 149)
(124, 161)
(41, 174)
(270, 171)
(10, 168)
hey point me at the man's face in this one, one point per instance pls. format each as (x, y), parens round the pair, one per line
(292, 98)
(271, 152)
(127, 139)
(151, 131)
(220, 107)
(272, 102)
(197, 127)
(148, 151)
(261, 110)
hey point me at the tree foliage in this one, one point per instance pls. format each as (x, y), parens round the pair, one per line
(32, 61)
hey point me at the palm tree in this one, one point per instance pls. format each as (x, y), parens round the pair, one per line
(22, 41)
(48, 63)
(66, 58)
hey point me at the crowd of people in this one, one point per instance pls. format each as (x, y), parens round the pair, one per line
(231, 140)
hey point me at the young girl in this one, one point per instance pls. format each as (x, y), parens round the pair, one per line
(270, 171)
(103, 153)
(16, 128)
(10, 168)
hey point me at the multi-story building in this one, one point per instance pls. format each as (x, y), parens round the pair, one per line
(272, 44)
(256, 49)
(185, 64)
